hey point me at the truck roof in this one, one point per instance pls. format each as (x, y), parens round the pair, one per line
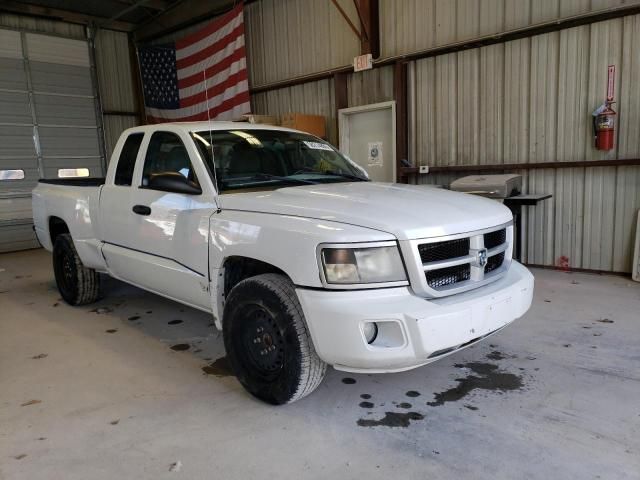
(211, 125)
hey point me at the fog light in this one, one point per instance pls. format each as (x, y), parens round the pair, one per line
(370, 330)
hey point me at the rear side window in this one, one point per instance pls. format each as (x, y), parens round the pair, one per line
(127, 160)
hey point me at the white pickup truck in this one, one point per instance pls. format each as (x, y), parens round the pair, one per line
(301, 260)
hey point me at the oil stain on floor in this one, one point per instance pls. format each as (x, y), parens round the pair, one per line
(482, 376)
(496, 355)
(219, 368)
(392, 419)
(486, 376)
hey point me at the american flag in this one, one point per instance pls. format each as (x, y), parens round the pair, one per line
(201, 77)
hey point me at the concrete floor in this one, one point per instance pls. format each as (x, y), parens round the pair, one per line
(96, 392)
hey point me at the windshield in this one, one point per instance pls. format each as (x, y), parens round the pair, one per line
(272, 158)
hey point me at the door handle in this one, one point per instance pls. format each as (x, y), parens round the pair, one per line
(141, 210)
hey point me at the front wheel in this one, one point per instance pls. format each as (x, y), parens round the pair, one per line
(267, 341)
(77, 284)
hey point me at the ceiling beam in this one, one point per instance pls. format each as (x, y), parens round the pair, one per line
(368, 31)
(21, 8)
(353, 28)
(130, 8)
(150, 4)
(189, 13)
(368, 13)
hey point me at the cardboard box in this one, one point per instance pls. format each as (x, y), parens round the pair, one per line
(264, 119)
(313, 124)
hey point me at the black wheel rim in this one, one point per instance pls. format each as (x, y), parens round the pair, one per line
(65, 272)
(263, 345)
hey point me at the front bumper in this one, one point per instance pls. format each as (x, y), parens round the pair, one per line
(413, 330)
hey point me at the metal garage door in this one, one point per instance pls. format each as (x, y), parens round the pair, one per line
(48, 123)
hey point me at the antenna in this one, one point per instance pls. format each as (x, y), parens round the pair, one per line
(213, 160)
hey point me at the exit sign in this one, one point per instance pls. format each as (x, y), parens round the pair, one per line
(363, 62)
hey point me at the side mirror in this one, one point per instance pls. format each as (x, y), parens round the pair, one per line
(173, 182)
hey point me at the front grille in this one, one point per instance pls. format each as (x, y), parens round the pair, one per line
(493, 263)
(457, 265)
(495, 239)
(433, 252)
(448, 276)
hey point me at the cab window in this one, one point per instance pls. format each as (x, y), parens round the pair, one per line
(167, 154)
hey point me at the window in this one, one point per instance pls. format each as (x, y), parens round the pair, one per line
(255, 158)
(73, 172)
(12, 174)
(167, 154)
(127, 160)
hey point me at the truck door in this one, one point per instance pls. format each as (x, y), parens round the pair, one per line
(164, 245)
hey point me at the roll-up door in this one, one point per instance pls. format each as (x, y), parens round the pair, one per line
(48, 123)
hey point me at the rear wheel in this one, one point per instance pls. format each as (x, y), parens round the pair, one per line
(77, 284)
(267, 341)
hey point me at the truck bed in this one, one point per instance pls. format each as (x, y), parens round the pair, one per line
(75, 182)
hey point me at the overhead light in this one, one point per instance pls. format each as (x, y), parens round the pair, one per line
(248, 137)
(201, 138)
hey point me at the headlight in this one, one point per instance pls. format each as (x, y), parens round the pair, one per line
(360, 265)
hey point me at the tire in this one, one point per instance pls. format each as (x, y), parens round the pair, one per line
(77, 284)
(267, 341)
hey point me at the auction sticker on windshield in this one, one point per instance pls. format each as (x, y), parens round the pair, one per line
(318, 146)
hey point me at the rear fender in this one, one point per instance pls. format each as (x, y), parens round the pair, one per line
(78, 208)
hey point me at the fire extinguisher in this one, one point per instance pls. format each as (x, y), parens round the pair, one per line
(604, 122)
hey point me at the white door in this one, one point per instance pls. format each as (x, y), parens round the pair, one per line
(161, 239)
(368, 137)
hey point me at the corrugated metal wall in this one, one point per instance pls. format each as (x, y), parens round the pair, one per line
(413, 25)
(315, 98)
(530, 101)
(289, 38)
(116, 83)
(41, 25)
(370, 86)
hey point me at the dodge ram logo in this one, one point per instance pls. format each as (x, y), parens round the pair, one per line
(482, 257)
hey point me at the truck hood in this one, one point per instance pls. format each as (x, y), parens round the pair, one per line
(406, 211)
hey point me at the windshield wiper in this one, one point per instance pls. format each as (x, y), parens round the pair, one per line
(295, 181)
(345, 175)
